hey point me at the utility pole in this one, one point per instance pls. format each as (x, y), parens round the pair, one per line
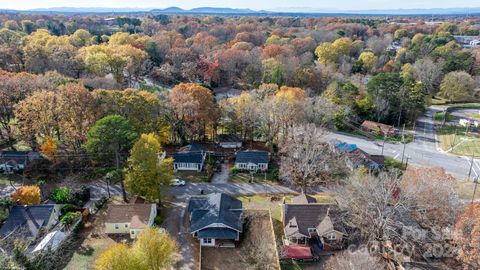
(475, 180)
(383, 145)
(454, 138)
(404, 144)
(471, 166)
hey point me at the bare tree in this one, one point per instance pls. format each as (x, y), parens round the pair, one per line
(429, 73)
(375, 206)
(357, 260)
(306, 159)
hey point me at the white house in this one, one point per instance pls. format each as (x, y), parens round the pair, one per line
(252, 160)
(191, 158)
(229, 141)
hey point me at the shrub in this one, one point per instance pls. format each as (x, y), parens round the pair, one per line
(82, 196)
(62, 195)
(235, 170)
(158, 220)
(68, 218)
(67, 208)
(27, 195)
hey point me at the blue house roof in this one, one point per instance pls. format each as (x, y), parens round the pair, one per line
(252, 157)
(345, 147)
(215, 208)
(192, 153)
(27, 220)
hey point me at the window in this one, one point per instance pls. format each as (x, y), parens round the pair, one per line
(207, 240)
(116, 227)
(133, 232)
(332, 236)
(126, 225)
(311, 230)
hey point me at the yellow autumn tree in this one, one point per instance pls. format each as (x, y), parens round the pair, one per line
(29, 195)
(148, 174)
(49, 147)
(155, 248)
(369, 59)
(118, 257)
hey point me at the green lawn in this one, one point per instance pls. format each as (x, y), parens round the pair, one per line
(391, 163)
(191, 176)
(439, 116)
(474, 115)
(85, 256)
(460, 144)
(273, 203)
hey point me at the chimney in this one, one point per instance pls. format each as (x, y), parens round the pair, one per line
(29, 214)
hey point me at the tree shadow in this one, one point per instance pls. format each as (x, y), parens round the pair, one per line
(85, 250)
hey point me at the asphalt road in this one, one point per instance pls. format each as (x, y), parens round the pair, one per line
(423, 151)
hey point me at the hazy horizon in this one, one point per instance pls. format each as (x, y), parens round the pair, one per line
(250, 4)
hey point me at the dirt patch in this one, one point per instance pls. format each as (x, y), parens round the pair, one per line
(92, 241)
(256, 249)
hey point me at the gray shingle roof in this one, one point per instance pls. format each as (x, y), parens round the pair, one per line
(217, 233)
(228, 138)
(306, 215)
(27, 220)
(215, 208)
(192, 153)
(252, 157)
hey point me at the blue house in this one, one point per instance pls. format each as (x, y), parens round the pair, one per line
(190, 158)
(216, 219)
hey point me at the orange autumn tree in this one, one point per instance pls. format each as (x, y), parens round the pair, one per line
(467, 237)
(27, 195)
(49, 148)
(194, 107)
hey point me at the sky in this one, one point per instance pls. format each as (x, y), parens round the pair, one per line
(252, 4)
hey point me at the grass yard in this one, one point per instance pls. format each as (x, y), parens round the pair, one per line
(191, 176)
(6, 178)
(246, 177)
(465, 190)
(439, 116)
(84, 257)
(474, 115)
(391, 163)
(460, 144)
(273, 203)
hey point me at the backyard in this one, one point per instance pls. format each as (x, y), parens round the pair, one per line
(256, 250)
(92, 241)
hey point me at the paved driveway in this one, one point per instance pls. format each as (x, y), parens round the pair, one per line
(222, 176)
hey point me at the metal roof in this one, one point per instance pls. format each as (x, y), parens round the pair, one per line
(252, 157)
(27, 220)
(215, 208)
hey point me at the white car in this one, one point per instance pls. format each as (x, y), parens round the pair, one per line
(177, 182)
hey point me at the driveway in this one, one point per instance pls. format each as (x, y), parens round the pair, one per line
(222, 176)
(176, 225)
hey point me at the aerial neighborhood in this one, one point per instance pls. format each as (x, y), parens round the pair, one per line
(239, 136)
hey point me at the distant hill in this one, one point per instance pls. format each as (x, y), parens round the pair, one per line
(431, 11)
(86, 10)
(290, 11)
(205, 10)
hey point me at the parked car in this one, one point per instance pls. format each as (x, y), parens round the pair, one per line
(177, 182)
